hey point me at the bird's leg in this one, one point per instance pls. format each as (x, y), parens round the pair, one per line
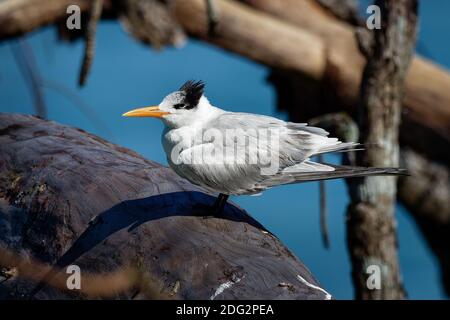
(219, 204)
(216, 209)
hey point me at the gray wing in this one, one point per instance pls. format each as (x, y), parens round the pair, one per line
(293, 142)
(338, 172)
(291, 145)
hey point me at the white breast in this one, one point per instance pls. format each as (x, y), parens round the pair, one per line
(215, 175)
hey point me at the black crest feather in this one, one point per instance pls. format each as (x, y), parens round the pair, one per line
(193, 91)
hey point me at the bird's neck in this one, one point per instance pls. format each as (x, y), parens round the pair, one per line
(205, 113)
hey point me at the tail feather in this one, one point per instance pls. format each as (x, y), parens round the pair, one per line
(338, 173)
(340, 147)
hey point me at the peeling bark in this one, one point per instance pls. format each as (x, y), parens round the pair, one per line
(89, 50)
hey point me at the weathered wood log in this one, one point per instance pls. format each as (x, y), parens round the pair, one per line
(21, 16)
(346, 10)
(255, 35)
(241, 30)
(69, 197)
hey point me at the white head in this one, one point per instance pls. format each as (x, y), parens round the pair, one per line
(184, 107)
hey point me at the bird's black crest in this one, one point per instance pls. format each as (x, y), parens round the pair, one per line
(193, 91)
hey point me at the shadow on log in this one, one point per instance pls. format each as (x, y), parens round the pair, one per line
(69, 197)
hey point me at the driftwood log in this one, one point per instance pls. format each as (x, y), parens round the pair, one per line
(69, 197)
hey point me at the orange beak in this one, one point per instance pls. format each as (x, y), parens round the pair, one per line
(154, 112)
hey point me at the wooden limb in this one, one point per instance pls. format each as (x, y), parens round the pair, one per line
(151, 22)
(213, 17)
(342, 126)
(346, 10)
(255, 35)
(371, 225)
(18, 17)
(323, 211)
(69, 197)
(339, 125)
(26, 62)
(95, 13)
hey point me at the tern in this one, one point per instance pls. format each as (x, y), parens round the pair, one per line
(221, 151)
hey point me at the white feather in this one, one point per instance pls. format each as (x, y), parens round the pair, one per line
(236, 175)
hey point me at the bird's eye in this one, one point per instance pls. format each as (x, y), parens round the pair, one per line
(178, 105)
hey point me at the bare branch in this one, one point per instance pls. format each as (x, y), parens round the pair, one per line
(89, 50)
(346, 10)
(151, 22)
(213, 17)
(257, 36)
(371, 225)
(23, 53)
(18, 17)
(323, 211)
(342, 126)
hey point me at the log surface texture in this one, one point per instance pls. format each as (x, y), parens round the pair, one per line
(69, 197)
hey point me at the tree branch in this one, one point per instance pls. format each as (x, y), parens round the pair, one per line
(346, 10)
(95, 13)
(371, 225)
(25, 59)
